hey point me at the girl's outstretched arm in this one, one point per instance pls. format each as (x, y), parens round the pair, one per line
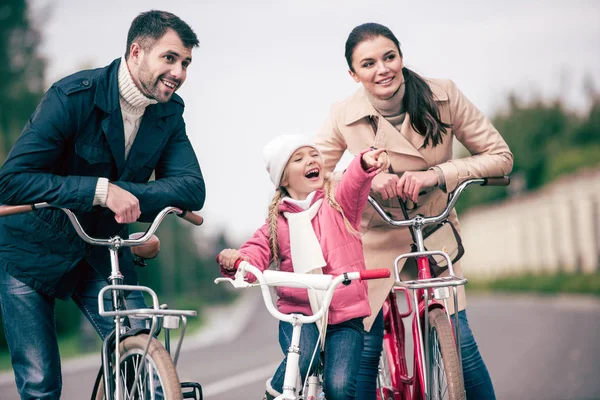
(376, 158)
(354, 187)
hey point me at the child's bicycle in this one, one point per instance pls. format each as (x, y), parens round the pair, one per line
(146, 369)
(326, 283)
(437, 372)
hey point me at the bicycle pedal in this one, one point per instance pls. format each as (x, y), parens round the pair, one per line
(194, 393)
(441, 293)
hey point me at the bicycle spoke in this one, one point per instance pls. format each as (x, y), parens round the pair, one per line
(439, 386)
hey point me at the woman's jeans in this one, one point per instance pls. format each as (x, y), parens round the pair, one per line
(30, 328)
(478, 383)
(343, 348)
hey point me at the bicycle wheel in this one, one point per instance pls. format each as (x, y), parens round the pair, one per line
(392, 363)
(446, 375)
(385, 388)
(158, 378)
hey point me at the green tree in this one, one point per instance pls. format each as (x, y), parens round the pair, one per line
(21, 71)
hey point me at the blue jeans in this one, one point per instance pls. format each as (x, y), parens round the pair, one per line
(478, 383)
(343, 348)
(29, 325)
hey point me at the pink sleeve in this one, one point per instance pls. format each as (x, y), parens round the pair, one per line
(353, 189)
(257, 250)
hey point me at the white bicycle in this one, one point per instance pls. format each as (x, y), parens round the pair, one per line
(326, 283)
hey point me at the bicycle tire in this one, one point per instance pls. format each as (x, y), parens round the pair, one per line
(445, 369)
(164, 382)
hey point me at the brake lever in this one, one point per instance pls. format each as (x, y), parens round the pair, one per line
(238, 282)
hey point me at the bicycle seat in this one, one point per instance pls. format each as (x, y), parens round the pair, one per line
(147, 250)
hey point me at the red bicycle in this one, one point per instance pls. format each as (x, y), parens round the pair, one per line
(437, 368)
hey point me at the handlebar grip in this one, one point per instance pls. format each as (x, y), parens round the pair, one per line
(496, 181)
(191, 217)
(10, 210)
(374, 273)
(237, 262)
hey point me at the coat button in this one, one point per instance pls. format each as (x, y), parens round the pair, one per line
(85, 83)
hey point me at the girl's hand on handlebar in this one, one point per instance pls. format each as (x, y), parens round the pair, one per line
(411, 183)
(228, 257)
(385, 184)
(376, 158)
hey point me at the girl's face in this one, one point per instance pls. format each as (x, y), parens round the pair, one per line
(378, 66)
(303, 173)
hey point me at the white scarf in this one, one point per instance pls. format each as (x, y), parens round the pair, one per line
(307, 255)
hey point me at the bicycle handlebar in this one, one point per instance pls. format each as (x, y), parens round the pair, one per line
(188, 216)
(453, 198)
(327, 283)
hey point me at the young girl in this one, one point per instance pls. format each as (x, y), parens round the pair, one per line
(314, 225)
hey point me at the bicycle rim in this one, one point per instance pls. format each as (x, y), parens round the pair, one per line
(158, 378)
(445, 374)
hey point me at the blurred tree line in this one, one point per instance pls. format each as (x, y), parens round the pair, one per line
(183, 272)
(547, 141)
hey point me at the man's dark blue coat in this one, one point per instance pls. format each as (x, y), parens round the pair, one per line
(75, 136)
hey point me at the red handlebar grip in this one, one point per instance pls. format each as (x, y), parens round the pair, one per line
(237, 262)
(191, 217)
(375, 273)
(497, 181)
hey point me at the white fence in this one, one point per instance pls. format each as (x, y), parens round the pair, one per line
(554, 229)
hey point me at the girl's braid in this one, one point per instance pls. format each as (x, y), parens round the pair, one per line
(273, 214)
(329, 194)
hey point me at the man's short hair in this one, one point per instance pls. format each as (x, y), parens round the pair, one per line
(150, 26)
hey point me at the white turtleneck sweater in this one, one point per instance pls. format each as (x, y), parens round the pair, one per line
(393, 110)
(133, 105)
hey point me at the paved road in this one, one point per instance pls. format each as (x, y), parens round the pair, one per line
(535, 348)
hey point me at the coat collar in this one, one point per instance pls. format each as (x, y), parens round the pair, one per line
(358, 105)
(107, 94)
(286, 206)
(150, 134)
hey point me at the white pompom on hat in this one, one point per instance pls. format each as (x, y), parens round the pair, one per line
(279, 150)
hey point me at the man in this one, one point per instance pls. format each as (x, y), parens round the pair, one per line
(91, 146)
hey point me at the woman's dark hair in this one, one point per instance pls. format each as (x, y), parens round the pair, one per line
(150, 26)
(418, 98)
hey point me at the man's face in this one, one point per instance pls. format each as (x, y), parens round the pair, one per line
(162, 69)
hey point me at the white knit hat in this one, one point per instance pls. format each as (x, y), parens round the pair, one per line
(279, 150)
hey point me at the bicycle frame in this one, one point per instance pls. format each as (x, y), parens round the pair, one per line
(116, 287)
(328, 283)
(426, 293)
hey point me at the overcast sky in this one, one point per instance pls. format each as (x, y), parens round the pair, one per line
(265, 68)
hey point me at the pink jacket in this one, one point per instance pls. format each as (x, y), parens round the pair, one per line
(342, 249)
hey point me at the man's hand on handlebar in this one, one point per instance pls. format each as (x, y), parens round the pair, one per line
(125, 205)
(228, 257)
(411, 183)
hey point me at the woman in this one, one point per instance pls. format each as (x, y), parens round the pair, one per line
(415, 120)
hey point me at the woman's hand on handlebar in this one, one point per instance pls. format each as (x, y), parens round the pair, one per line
(385, 184)
(125, 205)
(228, 257)
(411, 183)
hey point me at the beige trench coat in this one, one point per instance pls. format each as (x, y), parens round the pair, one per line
(348, 128)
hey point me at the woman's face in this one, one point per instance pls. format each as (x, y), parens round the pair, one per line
(378, 66)
(303, 173)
